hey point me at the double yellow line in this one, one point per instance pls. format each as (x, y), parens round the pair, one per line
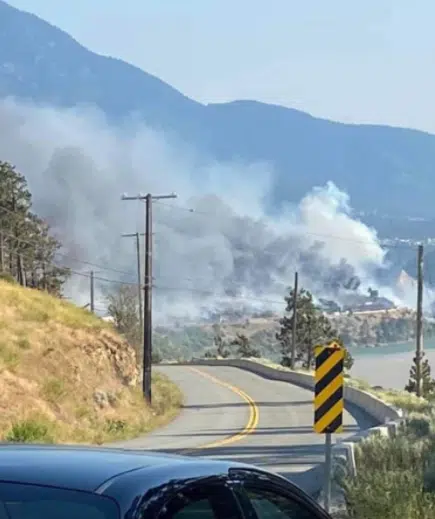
(254, 415)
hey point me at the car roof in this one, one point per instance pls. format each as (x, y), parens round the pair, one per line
(87, 468)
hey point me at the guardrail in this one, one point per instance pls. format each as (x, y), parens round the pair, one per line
(387, 416)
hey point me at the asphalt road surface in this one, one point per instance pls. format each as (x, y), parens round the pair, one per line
(231, 413)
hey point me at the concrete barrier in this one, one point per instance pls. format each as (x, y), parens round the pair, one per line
(343, 453)
(380, 411)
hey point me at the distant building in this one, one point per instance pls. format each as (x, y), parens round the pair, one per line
(356, 303)
(370, 305)
(328, 306)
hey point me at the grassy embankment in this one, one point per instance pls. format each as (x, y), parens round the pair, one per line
(67, 377)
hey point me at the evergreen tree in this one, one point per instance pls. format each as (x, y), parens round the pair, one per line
(312, 328)
(427, 382)
(220, 343)
(244, 348)
(348, 359)
(27, 250)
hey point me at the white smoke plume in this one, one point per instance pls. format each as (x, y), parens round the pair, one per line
(214, 244)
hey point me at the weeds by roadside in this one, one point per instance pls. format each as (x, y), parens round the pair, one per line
(395, 476)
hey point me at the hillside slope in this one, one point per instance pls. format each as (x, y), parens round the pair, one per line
(66, 376)
(358, 329)
(44, 64)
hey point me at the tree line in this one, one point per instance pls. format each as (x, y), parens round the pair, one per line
(312, 328)
(27, 248)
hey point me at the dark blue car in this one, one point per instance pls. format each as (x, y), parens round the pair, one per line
(53, 482)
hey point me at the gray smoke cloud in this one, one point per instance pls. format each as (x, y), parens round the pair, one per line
(214, 245)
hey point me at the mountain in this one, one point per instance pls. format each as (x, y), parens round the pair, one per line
(387, 171)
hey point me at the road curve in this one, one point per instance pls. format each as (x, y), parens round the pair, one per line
(232, 413)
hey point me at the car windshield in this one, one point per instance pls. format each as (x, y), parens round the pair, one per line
(22, 501)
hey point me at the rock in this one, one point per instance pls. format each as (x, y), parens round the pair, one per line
(104, 399)
(112, 398)
(101, 399)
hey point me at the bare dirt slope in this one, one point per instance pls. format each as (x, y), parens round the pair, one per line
(66, 376)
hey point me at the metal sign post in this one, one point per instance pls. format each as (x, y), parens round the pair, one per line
(328, 470)
(328, 402)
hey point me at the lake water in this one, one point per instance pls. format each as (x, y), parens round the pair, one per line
(391, 349)
(388, 366)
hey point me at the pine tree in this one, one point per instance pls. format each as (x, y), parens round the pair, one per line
(312, 328)
(427, 382)
(244, 348)
(27, 249)
(220, 343)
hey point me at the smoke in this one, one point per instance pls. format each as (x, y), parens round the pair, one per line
(214, 245)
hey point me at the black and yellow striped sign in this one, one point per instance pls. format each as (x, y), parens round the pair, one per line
(328, 399)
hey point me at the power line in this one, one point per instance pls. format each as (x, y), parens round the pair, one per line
(34, 243)
(217, 295)
(318, 235)
(78, 273)
(193, 290)
(130, 275)
(103, 267)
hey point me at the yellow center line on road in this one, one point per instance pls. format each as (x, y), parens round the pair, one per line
(254, 415)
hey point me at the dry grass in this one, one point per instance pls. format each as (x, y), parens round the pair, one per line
(66, 376)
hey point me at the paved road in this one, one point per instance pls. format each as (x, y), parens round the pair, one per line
(231, 413)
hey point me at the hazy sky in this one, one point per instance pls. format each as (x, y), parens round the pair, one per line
(363, 61)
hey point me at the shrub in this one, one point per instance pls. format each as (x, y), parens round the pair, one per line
(30, 431)
(53, 390)
(116, 427)
(418, 425)
(390, 477)
(5, 276)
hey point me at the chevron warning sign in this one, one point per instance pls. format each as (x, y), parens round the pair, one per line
(328, 398)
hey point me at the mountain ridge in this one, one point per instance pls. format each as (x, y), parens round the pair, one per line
(44, 64)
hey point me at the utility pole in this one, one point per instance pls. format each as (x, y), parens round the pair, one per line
(139, 275)
(147, 310)
(294, 322)
(92, 291)
(419, 327)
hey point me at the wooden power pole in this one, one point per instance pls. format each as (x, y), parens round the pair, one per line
(139, 275)
(419, 324)
(294, 322)
(147, 307)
